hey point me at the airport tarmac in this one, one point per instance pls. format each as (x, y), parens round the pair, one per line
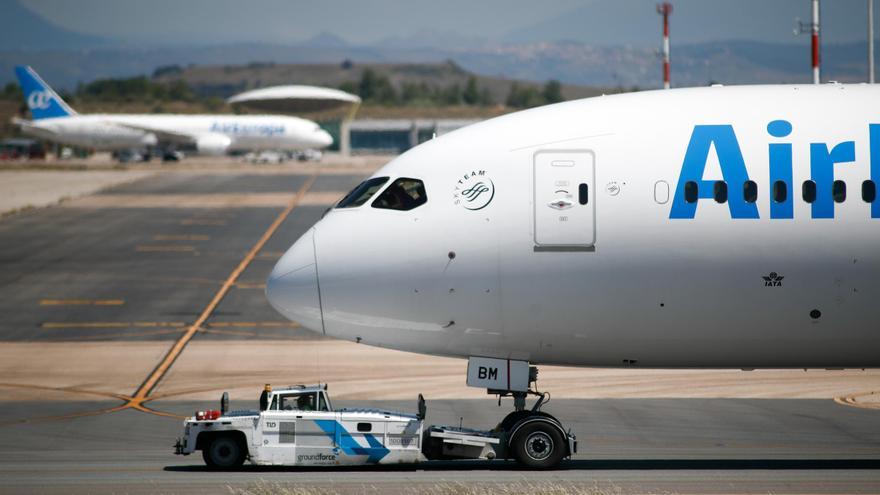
(126, 309)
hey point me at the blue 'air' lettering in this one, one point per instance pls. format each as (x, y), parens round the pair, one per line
(874, 131)
(733, 169)
(822, 172)
(781, 169)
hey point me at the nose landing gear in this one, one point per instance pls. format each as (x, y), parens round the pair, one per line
(534, 438)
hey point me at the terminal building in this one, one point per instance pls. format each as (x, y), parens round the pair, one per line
(395, 136)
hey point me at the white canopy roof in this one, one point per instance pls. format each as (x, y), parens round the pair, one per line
(294, 99)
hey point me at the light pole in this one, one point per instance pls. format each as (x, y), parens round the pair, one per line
(665, 9)
(871, 41)
(814, 39)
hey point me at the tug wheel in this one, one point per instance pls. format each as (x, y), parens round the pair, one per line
(223, 452)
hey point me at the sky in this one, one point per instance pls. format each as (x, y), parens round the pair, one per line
(608, 22)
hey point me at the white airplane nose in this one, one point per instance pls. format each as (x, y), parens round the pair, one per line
(292, 288)
(324, 138)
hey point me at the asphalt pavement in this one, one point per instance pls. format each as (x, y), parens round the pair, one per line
(128, 274)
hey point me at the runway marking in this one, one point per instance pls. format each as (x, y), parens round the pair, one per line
(162, 368)
(250, 285)
(203, 221)
(103, 336)
(182, 248)
(253, 324)
(112, 324)
(852, 400)
(270, 255)
(243, 333)
(181, 237)
(164, 324)
(143, 394)
(206, 200)
(81, 302)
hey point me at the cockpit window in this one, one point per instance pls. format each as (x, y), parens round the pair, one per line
(362, 193)
(403, 194)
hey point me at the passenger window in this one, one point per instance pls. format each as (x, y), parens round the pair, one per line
(719, 191)
(322, 403)
(690, 191)
(838, 191)
(362, 193)
(869, 191)
(403, 194)
(809, 191)
(750, 191)
(780, 191)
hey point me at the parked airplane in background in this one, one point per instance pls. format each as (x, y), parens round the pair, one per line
(55, 121)
(722, 227)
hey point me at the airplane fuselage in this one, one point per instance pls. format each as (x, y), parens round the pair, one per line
(645, 229)
(121, 131)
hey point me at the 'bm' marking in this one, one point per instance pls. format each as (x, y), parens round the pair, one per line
(484, 373)
(733, 170)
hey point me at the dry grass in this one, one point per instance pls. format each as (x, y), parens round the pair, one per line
(441, 488)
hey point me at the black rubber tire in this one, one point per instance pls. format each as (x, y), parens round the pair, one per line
(223, 452)
(538, 445)
(515, 417)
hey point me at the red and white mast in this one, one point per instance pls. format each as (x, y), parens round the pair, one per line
(665, 9)
(814, 35)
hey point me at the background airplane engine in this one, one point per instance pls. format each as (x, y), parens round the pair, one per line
(213, 144)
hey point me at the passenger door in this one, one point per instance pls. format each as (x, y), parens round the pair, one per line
(564, 199)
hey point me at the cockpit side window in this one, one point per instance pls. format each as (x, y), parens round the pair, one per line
(362, 193)
(403, 194)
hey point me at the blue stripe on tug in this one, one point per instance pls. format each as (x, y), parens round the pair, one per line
(343, 439)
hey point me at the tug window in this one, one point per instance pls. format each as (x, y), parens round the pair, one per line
(690, 191)
(362, 193)
(750, 191)
(403, 194)
(297, 402)
(809, 191)
(780, 191)
(869, 191)
(838, 191)
(719, 191)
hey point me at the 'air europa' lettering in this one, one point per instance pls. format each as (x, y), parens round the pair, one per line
(722, 138)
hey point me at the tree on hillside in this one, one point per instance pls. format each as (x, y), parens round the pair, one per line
(376, 88)
(13, 92)
(486, 97)
(524, 97)
(450, 95)
(552, 92)
(471, 94)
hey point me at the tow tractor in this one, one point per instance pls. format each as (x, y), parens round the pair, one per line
(298, 426)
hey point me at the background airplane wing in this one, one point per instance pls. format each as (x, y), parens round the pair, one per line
(162, 134)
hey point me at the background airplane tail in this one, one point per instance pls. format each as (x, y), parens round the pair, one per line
(43, 102)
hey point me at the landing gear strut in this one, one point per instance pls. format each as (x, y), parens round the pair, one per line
(534, 438)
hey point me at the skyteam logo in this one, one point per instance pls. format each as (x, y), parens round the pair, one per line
(474, 191)
(39, 100)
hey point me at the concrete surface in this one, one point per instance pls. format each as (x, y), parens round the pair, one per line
(625, 446)
(94, 292)
(26, 189)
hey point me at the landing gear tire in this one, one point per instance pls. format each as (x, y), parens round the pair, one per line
(538, 445)
(223, 452)
(515, 417)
